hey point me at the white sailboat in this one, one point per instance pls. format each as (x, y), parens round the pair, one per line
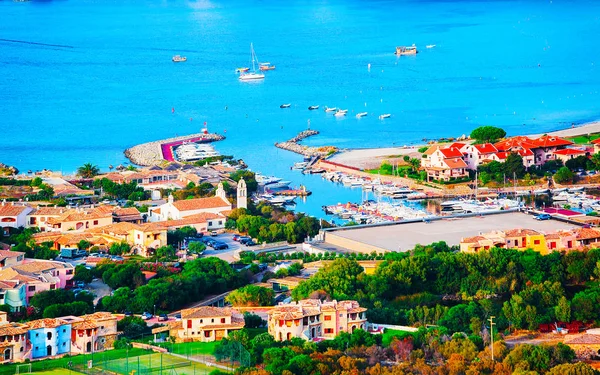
(252, 75)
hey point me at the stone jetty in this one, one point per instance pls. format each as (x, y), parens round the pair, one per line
(153, 153)
(293, 146)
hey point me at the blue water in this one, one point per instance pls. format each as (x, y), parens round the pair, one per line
(108, 82)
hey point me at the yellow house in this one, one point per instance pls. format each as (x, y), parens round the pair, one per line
(523, 239)
(80, 220)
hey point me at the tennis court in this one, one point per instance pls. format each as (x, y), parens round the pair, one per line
(154, 364)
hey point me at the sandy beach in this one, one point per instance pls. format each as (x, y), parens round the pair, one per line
(370, 158)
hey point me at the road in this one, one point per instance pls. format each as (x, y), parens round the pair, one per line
(229, 255)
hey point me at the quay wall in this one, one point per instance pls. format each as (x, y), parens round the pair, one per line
(356, 246)
(293, 146)
(151, 153)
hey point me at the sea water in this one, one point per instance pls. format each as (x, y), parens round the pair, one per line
(80, 81)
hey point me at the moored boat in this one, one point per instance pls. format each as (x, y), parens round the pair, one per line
(430, 45)
(178, 58)
(332, 109)
(362, 114)
(251, 76)
(402, 50)
(266, 66)
(340, 113)
(242, 70)
(313, 107)
(385, 115)
(288, 105)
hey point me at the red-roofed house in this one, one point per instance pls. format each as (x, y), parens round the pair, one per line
(567, 154)
(534, 151)
(176, 210)
(475, 155)
(445, 164)
(596, 143)
(13, 216)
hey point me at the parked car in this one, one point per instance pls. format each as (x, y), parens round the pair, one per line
(236, 237)
(146, 315)
(543, 217)
(128, 313)
(250, 243)
(163, 318)
(220, 246)
(80, 284)
(214, 233)
(245, 240)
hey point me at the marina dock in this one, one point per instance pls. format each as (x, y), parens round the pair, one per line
(157, 152)
(293, 146)
(293, 192)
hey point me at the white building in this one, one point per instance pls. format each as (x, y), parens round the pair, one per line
(13, 216)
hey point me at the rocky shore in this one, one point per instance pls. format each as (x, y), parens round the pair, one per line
(149, 154)
(293, 146)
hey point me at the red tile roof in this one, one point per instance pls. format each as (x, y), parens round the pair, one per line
(516, 142)
(569, 151)
(502, 155)
(486, 148)
(10, 210)
(596, 141)
(521, 232)
(525, 152)
(200, 203)
(451, 152)
(455, 163)
(458, 145)
(551, 141)
(586, 233)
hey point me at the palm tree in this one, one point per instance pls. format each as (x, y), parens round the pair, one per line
(88, 170)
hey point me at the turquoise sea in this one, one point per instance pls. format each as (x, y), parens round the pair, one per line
(82, 80)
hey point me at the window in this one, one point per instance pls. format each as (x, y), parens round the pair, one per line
(52, 286)
(212, 320)
(1, 296)
(536, 242)
(206, 333)
(37, 335)
(201, 321)
(63, 344)
(222, 320)
(138, 236)
(220, 222)
(327, 317)
(64, 330)
(328, 330)
(189, 324)
(95, 222)
(341, 315)
(69, 272)
(49, 335)
(31, 288)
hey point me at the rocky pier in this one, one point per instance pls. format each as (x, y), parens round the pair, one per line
(294, 146)
(153, 153)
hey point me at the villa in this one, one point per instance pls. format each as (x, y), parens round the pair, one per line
(39, 275)
(445, 163)
(13, 341)
(204, 324)
(312, 319)
(176, 210)
(49, 337)
(12, 216)
(92, 333)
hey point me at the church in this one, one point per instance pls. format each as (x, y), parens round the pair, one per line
(219, 204)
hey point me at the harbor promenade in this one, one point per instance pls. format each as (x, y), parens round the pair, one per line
(157, 152)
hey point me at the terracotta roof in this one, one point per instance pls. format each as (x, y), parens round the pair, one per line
(46, 323)
(502, 155)
(13, 329)
(10, 254)
(516, 142)
(551, 141)
(122, 228)
(128, 213)
(569, 151)
(7, 284)
(475, 239)
(586, 233)
(458, 145)
(206, 312)
(520, 232)
(86, 324)
(431, 150)
(455, 163)
(486, 148)
(596, 141)
(48, 211)
(10, 210)
(188, 220)
(451, 152)
(236, 322)
(74, 215)
(200, 203)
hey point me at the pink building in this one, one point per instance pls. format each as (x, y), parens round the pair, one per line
(40, 275)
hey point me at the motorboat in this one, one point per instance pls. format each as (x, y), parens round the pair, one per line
(178, 58)
(330, 109)
(576, 189)
(288, 105)
(313, 107)
(253, 75)
(385, 115)
(430, 46)
(541, 191)
(266, 66)
(362, 114)
(300, 165)
(402, 50)
(242, 70)
(340, 113)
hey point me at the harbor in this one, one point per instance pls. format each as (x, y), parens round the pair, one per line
(159, 152)
(294, 146)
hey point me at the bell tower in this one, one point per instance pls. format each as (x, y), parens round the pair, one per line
(242, 194)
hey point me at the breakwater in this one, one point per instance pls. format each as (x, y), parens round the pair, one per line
(294, 146)
(157, 152)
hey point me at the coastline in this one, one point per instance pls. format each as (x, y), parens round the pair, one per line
(371, 157)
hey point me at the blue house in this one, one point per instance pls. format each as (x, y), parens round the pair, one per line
(49, 337)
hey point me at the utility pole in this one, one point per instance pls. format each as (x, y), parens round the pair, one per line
(492, 335)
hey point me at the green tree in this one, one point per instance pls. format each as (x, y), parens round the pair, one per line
(487, 134)
(249, 177)
(253, 320)
(196, 247)
(132, 326)
(513, 165)
(84, 245)
(563, 175)
(165, 252)
(579, 368)
(340, 279)
(119, 248)
(563, 310)
(251, 295)
(83, 274)
(88, 170)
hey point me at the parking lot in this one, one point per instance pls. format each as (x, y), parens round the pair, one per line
(230, 254)
(404, 237)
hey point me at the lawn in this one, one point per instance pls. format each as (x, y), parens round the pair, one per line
(193, 348)
(389, 334)
(58, 371)
(582, 139)
(153, 363)
(50, 364)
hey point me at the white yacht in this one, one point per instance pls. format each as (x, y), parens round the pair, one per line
(330, 109)
(362, 114)
(384, 116)
(252, 75)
